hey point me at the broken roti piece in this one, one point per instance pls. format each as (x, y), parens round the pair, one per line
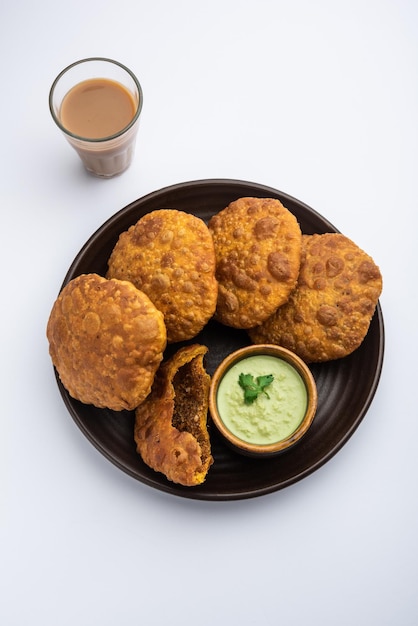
(171, 424)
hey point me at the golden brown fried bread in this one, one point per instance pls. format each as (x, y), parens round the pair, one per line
(258, 246)
(169, 255)
(328, 314)
(106, 340)
(171, 424)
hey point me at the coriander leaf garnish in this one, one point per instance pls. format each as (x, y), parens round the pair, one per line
(252, 388)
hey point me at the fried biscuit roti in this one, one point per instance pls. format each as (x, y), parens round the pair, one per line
(328, 314)
(169, 255)
(171, 424)
(106, 341)
(258, 246)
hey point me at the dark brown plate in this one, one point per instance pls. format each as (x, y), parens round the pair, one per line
(345, 387)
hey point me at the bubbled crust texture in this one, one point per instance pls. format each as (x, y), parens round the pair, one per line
(171, 425)
(106, 340)
(169, 255)
(258, 246)
(328, 315)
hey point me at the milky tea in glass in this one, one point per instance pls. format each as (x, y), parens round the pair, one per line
(96, 103)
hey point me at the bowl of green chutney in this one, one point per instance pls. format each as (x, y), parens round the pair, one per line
(262, 399)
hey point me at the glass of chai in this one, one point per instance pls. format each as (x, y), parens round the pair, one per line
(97, 103)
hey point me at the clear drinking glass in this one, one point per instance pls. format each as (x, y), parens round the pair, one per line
(105, 156)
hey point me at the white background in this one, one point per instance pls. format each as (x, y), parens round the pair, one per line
(317, 99)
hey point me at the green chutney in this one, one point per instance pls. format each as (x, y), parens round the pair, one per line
(268, 419)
